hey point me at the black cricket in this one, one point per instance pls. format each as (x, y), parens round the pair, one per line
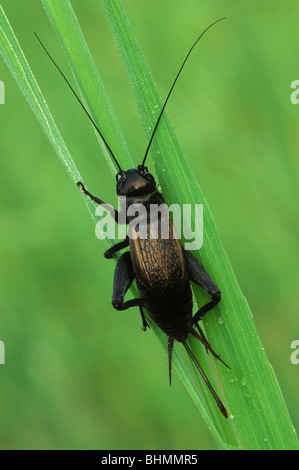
(162, 268)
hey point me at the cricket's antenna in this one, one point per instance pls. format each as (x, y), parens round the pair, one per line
(84, 108)
(172, 87)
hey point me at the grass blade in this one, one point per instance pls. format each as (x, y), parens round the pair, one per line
(258, 411)
(71, 39)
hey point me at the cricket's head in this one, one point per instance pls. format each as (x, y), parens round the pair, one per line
(135, 182)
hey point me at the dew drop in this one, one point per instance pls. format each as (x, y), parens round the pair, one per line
(220, 321)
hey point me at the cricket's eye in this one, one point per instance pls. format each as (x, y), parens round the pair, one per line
(121, 175)
(142, 169)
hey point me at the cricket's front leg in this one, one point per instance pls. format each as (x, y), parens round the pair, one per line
(114, 213)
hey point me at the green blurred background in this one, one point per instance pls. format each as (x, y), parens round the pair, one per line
(79, 374)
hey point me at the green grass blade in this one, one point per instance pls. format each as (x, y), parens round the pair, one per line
(71, 38)
(257, 408)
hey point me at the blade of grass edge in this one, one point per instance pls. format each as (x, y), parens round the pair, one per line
(257, 407)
